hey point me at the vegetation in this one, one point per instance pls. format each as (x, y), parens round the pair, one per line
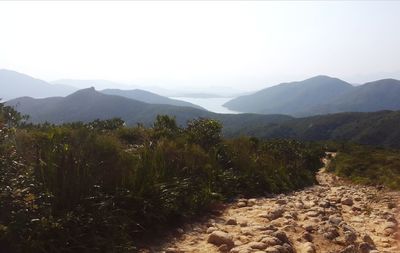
(373, 128)
(102, 186)
(368, 165)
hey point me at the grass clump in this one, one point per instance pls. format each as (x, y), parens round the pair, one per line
(102, 187)
(368, 165)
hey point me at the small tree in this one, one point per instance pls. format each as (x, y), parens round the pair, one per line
(204, 132)
(165, 126)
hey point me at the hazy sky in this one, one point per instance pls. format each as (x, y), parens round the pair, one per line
(244, 45)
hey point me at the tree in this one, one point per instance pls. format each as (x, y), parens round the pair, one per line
(165, 126)
(204, 132)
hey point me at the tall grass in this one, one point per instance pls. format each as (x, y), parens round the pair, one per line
(99, 187)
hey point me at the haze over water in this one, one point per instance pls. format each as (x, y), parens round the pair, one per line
(211, 104)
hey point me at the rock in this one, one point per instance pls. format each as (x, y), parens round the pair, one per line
(313, 213)
(307, 236)
(251, 202)
(257, 245)
(241, 204)
(364, 247)
(350, 237)
(335, 220)
(218, 238)
(346, 227)
(308, 227)
(271, 241)
(287, 248)
(243, 223)
(281, 202)
(331, 233)
(211, 229)
(239, 250)
(281, 236)
(390, 224)
(391, 205)
(223, 248)
(349, 249)
(347, 201)
(231, 221)
(366, 238)
(272, 250)
(307, 247)
(173, 250)
(275, 214)
(389, 231)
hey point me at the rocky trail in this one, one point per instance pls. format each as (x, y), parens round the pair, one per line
(333, 216)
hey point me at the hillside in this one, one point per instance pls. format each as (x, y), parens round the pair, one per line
(88, 104)
(321, 95)
(294, 98)
(148, 97)
(14, 84)
(374, 128)
(373, 96)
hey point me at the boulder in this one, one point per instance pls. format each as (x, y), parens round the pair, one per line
(347, 201)
(218, 238)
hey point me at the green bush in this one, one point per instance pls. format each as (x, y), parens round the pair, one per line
(100, 186)
(368, 165)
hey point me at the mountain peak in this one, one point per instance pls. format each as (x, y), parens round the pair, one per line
(91, 91)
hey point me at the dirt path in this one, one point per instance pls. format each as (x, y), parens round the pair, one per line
(333, 216)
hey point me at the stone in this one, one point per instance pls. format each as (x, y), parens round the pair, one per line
(231, 221)
(347, 201)
(251, 202)
(243, 223)
(281, 202)
(241, 204)
(331, 233)
(281, 236)
(350, 237)
(307, 247)
(223, 248)
(211, 229)
(271, 241)
(257, 245)
(335, 220)
(366, 238)
(218, 238)
(275, 214)
(272, 250)
(287, 248)
(349, 249)
(389, 231)
(364, 247)
(307, 236)
(308, 227)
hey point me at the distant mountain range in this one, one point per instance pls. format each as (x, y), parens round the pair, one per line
(14, 84)
(372, 128)
(148, 97)
(375, 128)
(88, 104)
(320, 95)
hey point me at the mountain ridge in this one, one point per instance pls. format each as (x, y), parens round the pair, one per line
(321, 95)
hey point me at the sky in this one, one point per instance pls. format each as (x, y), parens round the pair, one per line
(201, 44)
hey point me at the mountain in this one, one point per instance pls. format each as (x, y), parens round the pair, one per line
(88, 104)
(373, 96)
(295, 98)
(14, 84)
(83, 84)
(372, 128)
(148, 97)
